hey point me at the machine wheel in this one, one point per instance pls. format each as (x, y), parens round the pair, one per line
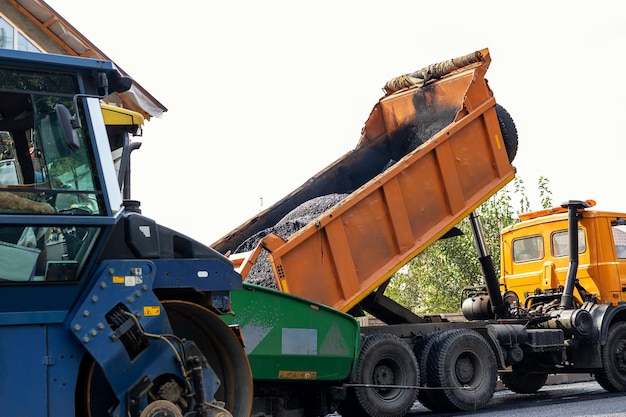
(524, 382)
(509, 131)
(218, 344)
(463, 365)
(422, 350)
(222, 349)
(612, 375)
(384, 359)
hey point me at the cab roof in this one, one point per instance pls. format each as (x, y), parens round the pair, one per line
(39, 60)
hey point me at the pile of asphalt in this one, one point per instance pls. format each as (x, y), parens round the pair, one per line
(261, 273)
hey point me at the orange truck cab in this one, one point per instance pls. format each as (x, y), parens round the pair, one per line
(535, 255)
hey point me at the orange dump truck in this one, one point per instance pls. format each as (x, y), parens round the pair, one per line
(434, 148)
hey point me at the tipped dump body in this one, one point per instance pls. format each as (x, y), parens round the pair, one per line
(427, 157)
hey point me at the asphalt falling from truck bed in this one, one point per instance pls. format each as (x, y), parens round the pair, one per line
(363, 165)
(261, 273)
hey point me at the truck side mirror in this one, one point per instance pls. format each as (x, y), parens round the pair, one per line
(67, 128)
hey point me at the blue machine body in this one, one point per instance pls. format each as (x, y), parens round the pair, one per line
(81, 286)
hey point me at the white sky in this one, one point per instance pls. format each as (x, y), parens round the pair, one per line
(263, 95)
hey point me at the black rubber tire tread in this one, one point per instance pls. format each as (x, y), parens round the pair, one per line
(509, 131)
(349, 406)
(421, 351)
(612, 375)
(467, 348)
(384, 353)
(522, 381)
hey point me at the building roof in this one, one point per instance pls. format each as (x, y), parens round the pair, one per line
(72, 42)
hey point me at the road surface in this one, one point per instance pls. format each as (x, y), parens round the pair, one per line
(578, 399)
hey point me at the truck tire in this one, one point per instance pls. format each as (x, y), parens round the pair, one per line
(523, 382)
(463, 366)
(612, 375)
(422, 350)
(384, 359)
(509, 131)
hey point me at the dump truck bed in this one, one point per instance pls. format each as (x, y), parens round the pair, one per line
(428, 156)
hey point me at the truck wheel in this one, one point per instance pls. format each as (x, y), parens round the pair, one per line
(385, 360)
(422, 350)
(509, 131)
(523, 382)
(463, 365)
(612, 375)
(222, 349)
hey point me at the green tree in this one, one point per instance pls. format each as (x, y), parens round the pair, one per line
(433, 281)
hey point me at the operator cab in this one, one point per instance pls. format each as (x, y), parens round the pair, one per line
(57, 192)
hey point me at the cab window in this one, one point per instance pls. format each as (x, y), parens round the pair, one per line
(528, 249)
(44, 253)
(39, 172)
(619, 238)
(560, 243)
(48, 170)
